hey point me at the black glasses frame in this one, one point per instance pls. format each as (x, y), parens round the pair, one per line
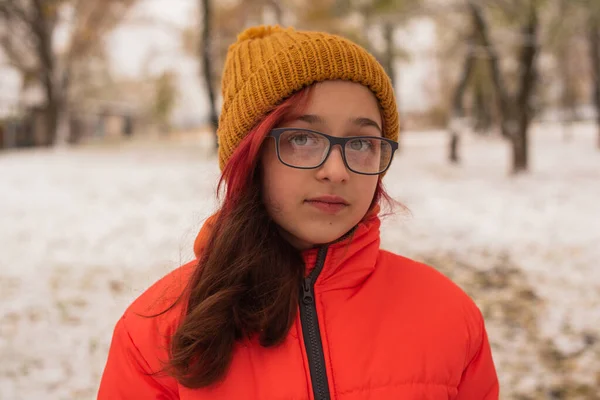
(333, 141)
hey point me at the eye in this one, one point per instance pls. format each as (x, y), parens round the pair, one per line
(361, 145)
(301, 138)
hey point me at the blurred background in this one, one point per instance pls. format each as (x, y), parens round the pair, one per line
(108, 168)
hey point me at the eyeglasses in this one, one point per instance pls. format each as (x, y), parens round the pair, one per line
(308, 149)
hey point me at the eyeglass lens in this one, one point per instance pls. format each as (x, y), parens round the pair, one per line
(305, 149)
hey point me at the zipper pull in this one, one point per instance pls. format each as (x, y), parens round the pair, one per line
(307, 296)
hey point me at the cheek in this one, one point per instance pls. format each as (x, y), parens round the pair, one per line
(280, 188)
(365, 189)
(278, 182)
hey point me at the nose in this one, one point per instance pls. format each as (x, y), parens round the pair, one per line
(334, 169)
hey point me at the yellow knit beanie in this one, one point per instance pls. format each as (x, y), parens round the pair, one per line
(268, 64)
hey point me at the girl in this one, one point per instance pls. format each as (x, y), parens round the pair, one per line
(290, 296)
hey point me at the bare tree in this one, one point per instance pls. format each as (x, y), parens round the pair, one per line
(568, 97)
(217, 28)
(458, 107)
(33, 56)
(33, 50)
(516, 111)
(388, 58)
(594, 45)
(207, 67)
(389, 15)
(482, 101)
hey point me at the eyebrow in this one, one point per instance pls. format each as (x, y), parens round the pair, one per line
(360, 121)
(363, 121)
(312, 119)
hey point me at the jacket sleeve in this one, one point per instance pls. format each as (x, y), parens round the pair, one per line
(127, 374)
(479, 380)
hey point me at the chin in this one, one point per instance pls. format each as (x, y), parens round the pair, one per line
(306, 234)
(323, 237)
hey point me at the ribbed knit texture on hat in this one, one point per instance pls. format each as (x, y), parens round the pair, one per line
(267, 64)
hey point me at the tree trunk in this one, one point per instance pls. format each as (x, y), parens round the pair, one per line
(515, 114)
(63, 126)
(594, 45)
(528, 77)
(52, 112)
(458, 108)
(506, 118)
(43, 30)
(567, 95)
(388, 58)
(566, 98)
(481, 109)
(207, 64)
(388, 62)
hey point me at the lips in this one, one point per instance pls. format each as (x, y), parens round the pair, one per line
(329, 199)
(328, 203)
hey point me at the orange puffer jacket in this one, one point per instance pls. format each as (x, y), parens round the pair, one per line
(371, 325)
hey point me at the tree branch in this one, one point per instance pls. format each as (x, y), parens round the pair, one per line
(15, 36)
(13, 9)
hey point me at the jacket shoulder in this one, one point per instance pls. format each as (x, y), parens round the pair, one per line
(428, 286)
(429, 299)
(163, 293)
(140, 344)
(153, 317)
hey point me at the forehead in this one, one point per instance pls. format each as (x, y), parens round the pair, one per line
(342, 99)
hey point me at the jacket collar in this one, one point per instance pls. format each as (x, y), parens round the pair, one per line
(349, 261)
(352, 259)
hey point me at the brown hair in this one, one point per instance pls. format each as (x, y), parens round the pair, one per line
(248, 276)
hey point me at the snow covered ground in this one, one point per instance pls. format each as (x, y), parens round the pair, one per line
(83, 231)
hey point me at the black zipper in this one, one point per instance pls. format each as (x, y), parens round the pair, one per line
(310, 330)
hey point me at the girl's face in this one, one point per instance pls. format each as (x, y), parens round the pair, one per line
(317, 206)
